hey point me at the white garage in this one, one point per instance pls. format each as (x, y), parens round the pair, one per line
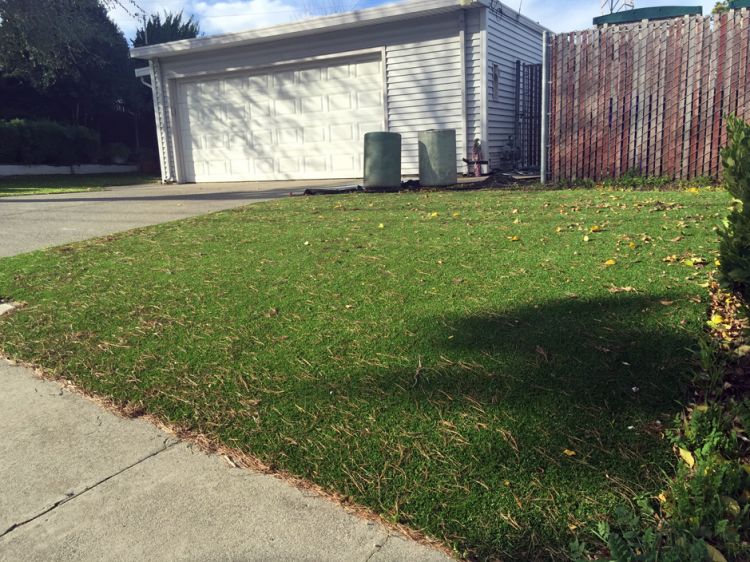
(295, 101)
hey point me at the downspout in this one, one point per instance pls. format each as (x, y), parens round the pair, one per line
(545, 109)
(165, 153)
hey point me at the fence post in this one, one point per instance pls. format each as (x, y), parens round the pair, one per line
(545, 108)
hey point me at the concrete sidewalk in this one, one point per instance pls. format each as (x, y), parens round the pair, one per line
(79, 483)
(32, 222)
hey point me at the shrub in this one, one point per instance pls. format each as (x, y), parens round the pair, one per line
(704, 514)
(735, 235)
(46, 142)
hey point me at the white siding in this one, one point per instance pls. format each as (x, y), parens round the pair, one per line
(422, 67)
(508, 41)
(424, 92)
(473, 77)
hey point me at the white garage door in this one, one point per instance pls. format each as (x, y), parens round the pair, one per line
(306, 122)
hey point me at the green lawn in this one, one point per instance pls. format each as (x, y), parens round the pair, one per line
(44, 185)
(463, 363)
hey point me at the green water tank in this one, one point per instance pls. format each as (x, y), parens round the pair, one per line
(653, 13)
(437, 158)
(382, 160)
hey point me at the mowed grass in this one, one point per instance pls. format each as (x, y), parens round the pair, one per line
(46, 185)
(463, 363)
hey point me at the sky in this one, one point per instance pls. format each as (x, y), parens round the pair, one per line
(223, 16)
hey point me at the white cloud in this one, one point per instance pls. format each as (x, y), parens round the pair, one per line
(236, 15)
(561, 16)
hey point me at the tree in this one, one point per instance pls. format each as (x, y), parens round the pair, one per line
(720, 7)
(173, 28)
(68, 53)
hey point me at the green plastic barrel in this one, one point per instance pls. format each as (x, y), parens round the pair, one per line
(382, 160)
(437, 158)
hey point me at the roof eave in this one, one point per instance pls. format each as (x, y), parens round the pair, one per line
(349, 20)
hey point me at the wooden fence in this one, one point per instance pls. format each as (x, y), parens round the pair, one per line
(648, 97)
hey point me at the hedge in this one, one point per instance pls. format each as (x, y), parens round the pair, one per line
(47, 142)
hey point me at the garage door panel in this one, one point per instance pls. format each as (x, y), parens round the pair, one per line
(288, 136)
(285, 106)
(291, 123)
(371, 68)
(313, 134)
(311, 104)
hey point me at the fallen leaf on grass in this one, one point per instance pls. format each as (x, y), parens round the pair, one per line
(694, 261)
(610, 262)
(716, 322)
(569, 453)
(381, 225)
(614, 289)
(713, 553)
(687, 456)
(667, 303)
(514, 238)
(596, 228)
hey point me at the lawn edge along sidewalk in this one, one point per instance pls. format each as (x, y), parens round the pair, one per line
(409, 542)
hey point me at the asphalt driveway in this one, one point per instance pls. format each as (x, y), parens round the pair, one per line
(32, 222)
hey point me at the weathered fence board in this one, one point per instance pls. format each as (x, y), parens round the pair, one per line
(649, 97)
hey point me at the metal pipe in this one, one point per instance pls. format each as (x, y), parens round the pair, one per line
(545, 107)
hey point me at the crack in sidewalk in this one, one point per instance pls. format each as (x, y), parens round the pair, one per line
(379, 547)
(74, 495)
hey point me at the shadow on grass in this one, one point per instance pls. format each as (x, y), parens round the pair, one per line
(616, 353)
(498, 398)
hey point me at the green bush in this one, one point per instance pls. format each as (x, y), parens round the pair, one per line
(46, 142)
(704, 513)
(735, 235)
